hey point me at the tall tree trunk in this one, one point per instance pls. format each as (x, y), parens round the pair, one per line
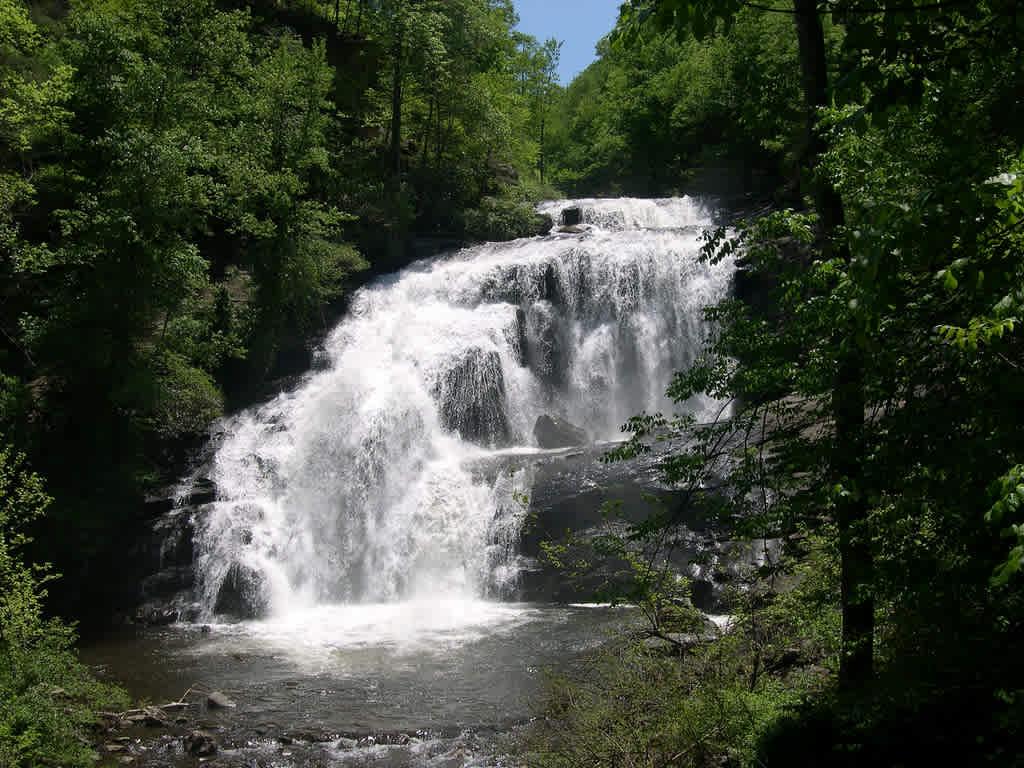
(425, 135)
(857, 562)
(541, 147)
(396, 106)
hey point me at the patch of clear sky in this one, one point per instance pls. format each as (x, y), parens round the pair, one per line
(578, 23)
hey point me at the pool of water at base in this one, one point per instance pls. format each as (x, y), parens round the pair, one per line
(426, 683)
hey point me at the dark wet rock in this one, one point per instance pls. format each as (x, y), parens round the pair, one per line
(568, 492)
(162, 563)
(554, 432)
(723, 563)
(572, 216)
(201, 491)
(552, 287)
(155, 615)
(471, 395)
(310, 737)
(516, 337)
(502, 285)
(114, 749)
(167, 582)
(218, 700)
(240, 595)
(155, 718)
(151, 717)
(191, 612)
(572, 230)
(703, 593)
(200, 744)
(545, 334)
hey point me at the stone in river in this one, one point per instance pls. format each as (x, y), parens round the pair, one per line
(200, 744)
(572, 216)
(553, 432)
(218, 700)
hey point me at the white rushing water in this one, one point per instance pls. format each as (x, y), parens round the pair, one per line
(362, 485)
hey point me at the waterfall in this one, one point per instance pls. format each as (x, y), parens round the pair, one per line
(363, 484)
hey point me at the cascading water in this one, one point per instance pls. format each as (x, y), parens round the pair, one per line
(362, 485)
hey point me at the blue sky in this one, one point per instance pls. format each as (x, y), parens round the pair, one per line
(579, 23)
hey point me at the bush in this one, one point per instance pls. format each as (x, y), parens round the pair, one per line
(500, 220)
(715, 703)
(187, 400)
(50, 699)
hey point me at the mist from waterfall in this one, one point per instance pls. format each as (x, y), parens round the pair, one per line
(364, 484)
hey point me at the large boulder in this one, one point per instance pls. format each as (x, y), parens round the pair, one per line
(572, 217)
(546, 342)
(554, 432)
(241, 594)
(471, 395)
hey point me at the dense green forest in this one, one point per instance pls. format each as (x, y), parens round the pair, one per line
(719, 115)
(188, 188)
(873, 358)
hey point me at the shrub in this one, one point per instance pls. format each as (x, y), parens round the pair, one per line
(49, 698)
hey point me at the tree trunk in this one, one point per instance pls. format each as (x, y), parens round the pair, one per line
(396, 107)
(542, 121)
(857, 563)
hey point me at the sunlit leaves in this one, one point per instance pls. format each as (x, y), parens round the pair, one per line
(1009, 508)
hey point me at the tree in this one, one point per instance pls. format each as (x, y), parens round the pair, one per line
(676, 111)
(852, 365)
(536, 66)
(847, 397)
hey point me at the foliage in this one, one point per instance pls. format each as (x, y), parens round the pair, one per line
(875, 368)
(631, 704)
(498, 219)
(711, 114)
(49, 698)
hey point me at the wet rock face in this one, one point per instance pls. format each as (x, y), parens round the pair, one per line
(516, 337)
(163, 561)
(241, 594)
(471, 395)
(572, 217)
(545, 352)
(555, 432)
